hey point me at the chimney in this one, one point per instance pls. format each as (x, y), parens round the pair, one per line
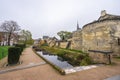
(103, 12)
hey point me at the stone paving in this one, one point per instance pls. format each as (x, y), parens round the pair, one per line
(27, 58)
(22, 67)
(80, 68)
(114, 78)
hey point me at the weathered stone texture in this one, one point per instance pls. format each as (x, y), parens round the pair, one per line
(76, 40)
(102, 35)
(98, 57)
(63, 44)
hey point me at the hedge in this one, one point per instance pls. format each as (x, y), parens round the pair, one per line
(22, 46)
(13, 55)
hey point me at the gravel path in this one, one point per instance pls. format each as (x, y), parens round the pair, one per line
(46, 72)
(27, 57)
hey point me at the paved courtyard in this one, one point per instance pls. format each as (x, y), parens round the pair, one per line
(46, 72)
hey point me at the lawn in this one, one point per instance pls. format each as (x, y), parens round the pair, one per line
(3, 51)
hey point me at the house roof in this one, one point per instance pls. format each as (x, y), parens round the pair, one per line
(104, 16)
(109, 17)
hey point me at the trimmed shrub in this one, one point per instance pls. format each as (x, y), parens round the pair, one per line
(22, 46)
(45, 44)
(13, 55)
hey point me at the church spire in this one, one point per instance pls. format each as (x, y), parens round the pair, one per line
(78, 26)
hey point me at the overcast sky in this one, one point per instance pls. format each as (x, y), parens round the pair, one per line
(47, 17)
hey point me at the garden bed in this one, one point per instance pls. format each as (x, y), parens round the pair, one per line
(74, 57)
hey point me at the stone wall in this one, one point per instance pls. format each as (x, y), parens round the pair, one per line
(52, 43)
(76, 40)
(102, 36)
(99, 58)
(63, 44)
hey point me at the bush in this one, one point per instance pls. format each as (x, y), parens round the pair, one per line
(45, 44)
(13, 55)
(22, 46)
(61, 53)
(86, 61)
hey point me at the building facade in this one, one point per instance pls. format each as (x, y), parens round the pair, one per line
(4, 38)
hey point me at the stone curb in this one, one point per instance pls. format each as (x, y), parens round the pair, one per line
(117, 77)
(81, 68)
(22, 67)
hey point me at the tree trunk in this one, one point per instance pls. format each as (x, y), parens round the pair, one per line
(9, 38)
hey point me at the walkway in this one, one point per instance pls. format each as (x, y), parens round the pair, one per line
(114, 78)
(27, 58)
(46, 72)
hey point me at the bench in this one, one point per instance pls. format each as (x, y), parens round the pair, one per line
(107, 53)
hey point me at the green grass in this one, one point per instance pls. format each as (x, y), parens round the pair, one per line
(3, 51)
(77, 51)
(54, 50)
(118, 57)
(74, 57)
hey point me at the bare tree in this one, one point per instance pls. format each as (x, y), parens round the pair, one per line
(10, 27)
